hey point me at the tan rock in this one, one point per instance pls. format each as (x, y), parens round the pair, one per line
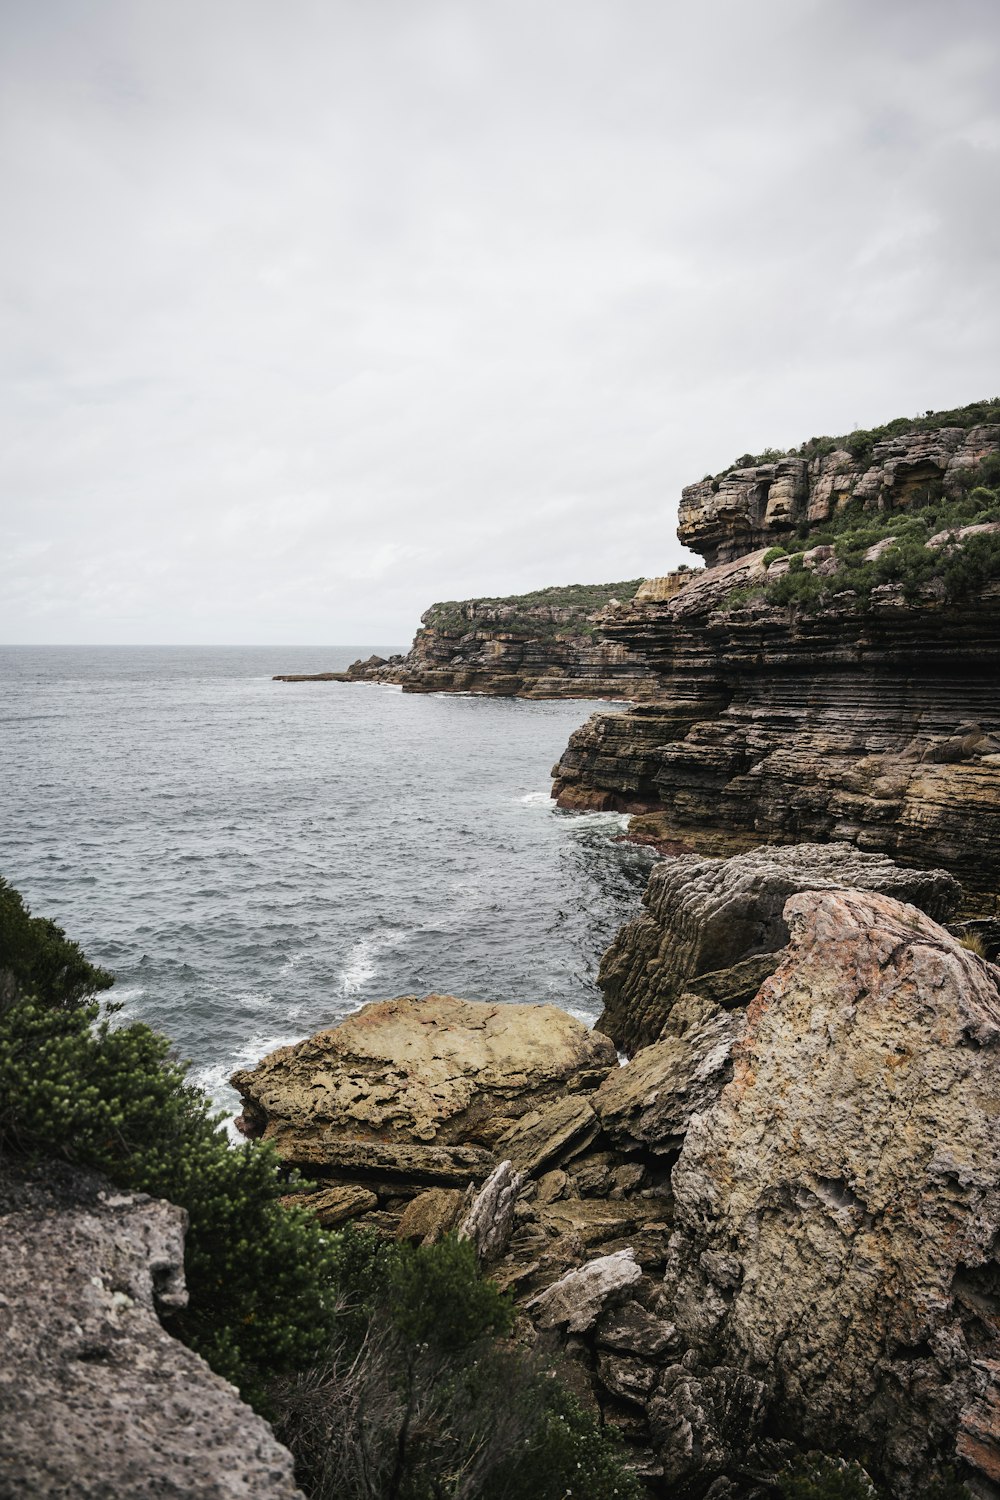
(336, 1205)
(431, 1215)
(413, 1081)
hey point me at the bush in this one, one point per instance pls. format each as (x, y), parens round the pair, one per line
(417, 1399)
(38, 957)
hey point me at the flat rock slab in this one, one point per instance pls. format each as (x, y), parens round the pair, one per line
(433, 1074)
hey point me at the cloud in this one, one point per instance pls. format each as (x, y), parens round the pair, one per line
(314, 315)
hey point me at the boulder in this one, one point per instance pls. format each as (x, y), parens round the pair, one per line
(410, 1082)
(490, 1218)
(336, 1205)
(96, 1398)
(649, 1103)
(837, 1210)
(431, 1215)
(576, 1300)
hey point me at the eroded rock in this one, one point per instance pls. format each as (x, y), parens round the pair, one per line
(576, 1300)
(707, 917)
(837, 1211)
(96, 1398)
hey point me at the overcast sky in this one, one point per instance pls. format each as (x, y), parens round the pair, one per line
(315, 312)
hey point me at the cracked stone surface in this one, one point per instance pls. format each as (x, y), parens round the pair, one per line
(97, 1400)
(412, 1074)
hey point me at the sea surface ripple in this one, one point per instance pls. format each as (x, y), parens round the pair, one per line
(255, 860)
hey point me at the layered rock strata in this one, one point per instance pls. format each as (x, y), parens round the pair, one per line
(759, 506)
(775, 1226)
(508, 649)
(771, 724)
(96, 1399)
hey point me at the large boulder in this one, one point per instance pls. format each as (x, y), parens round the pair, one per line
(418, 1089)
(709, 925)
(96, 1398)
(834, 1255)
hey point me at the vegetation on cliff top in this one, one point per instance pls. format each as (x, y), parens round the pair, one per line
(379, 1362)
(956, 570)
(861, 442)
(528, 611)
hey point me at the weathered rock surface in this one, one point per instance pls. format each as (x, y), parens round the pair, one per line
(756, 507)
(409, 1093)
(773, 725)
(96, 1399)
(709, 923)
(577, 1300)
(837, 1211)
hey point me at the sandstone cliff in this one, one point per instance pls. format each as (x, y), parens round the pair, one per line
(758, 504)
(874, 718)
(541, 645)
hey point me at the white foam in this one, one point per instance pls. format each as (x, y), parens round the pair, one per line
(537, 799)
(362, 958)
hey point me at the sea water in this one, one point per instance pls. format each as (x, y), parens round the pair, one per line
(254, 859)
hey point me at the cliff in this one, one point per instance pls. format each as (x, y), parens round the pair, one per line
(844, 692)
(539, 645)
(759, 502)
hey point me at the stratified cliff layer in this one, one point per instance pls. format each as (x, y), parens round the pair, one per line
(874, 719)
(540, 645)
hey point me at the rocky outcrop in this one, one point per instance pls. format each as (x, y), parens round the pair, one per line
(525, 647)
(833, 1262)
(411, 1093)
(879, 727)
(712, 927)
(96, 1399)
(744, 509)
(776, 1226)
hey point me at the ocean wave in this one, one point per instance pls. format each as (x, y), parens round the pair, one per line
(361, 964)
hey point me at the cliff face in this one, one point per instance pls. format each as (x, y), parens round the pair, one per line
(540, 645)
(778, 723)
(763, 504)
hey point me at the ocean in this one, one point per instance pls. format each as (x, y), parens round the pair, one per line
(254, 860)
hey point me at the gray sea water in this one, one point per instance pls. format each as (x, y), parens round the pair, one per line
(255, 860)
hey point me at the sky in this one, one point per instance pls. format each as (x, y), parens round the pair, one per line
(315, 313)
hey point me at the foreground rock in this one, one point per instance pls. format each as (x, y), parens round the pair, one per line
(96, 1399)
(418, 1092)
(712, 926)
(837, 1211)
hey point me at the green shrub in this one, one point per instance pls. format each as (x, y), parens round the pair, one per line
(38, 957)
(111, 1098)
(817, 1476)
(772, 554)
(416, 1398)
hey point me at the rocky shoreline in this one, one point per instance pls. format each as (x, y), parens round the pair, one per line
(775, 1226)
